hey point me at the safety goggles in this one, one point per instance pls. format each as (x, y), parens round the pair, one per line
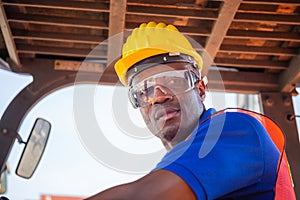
(169, 83)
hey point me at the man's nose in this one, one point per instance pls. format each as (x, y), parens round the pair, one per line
(160, 95)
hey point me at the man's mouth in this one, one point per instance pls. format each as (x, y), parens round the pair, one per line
(166, 113)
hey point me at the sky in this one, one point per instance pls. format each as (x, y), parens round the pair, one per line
(72, 165)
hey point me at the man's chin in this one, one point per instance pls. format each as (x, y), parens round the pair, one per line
(168, 133)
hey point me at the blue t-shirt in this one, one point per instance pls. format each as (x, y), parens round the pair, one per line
(229, 156)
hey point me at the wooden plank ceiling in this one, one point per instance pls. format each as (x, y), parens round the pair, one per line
(253, 43)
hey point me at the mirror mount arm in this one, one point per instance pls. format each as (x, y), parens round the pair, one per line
(20, 140)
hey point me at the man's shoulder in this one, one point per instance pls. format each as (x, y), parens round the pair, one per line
(232, 117)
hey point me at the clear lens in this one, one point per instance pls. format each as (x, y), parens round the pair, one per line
(169, 83)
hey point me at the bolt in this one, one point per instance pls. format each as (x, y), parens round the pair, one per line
(290, 117)
(269, 101)
(286, 101)
(5, 131)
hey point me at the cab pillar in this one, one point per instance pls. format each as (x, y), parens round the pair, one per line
(279, 107)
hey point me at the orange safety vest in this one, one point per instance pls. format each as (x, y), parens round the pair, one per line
(284, 189)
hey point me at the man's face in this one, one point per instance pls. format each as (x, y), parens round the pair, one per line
(170, 112)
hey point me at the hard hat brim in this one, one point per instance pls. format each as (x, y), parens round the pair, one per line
(124, 64)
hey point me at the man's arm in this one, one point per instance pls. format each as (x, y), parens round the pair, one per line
(160, 184)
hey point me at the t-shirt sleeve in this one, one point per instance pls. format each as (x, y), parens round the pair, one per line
(224, 155)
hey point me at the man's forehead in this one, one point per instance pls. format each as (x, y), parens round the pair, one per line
(159, 68)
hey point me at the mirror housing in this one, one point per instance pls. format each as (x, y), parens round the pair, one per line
(34, 148)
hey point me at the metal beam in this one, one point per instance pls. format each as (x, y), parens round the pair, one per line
(290, 78)
(7, 35)
(66, 5)
(254, 64)
(67, 65)
(164, 2)
(279, 106)
(264, 35)
(219, 31)
(63, 37)
(172, 12)
(273, 2)
(268, 18)
(116, 29)
(241, 82)
(197, 31)
(174, 3)
(258, 50)
(258, 7)
(59, 21)
(61, 51)
(249, 79)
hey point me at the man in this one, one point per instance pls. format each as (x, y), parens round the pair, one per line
(224, 155)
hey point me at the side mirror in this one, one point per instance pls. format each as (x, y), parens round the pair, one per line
(3, 182)
(34, 148)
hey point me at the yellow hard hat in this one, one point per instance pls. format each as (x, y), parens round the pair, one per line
(153, 39)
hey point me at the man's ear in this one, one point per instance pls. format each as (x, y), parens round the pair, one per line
(201, 85)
